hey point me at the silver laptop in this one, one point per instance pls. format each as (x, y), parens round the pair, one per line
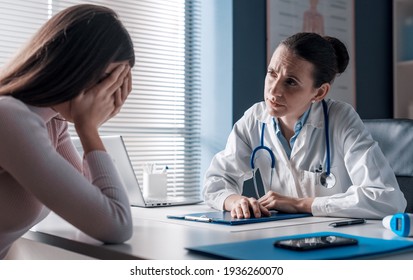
(116, 148)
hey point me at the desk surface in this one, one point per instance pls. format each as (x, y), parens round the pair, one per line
(156, 237)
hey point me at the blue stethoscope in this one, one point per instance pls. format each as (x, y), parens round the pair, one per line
(327, 179)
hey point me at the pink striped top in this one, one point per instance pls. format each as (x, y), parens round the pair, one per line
(40, 169)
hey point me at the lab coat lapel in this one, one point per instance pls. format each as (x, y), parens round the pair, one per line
(277, 145)
(287, 180)
(271, 138)
(315, 120)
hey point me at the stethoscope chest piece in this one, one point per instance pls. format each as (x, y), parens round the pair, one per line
(327, 181)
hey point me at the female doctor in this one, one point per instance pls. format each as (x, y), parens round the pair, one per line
(314, 155)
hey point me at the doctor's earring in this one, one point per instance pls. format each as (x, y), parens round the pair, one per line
(313, 101)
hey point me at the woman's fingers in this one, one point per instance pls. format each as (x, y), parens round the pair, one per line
(101, 102)
(247, 208)
(116, 78)
(264, 210)
(122, 93)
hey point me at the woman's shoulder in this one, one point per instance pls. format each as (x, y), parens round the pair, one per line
(341, 108)
(15, 111)
(344, 116)
(257, 111)
(12, 106)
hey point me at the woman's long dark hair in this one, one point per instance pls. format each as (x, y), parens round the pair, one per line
(67, 55)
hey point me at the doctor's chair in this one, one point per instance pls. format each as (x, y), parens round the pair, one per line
(395, 138)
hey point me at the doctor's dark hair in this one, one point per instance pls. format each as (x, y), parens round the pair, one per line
(69, 54)
(328, 54)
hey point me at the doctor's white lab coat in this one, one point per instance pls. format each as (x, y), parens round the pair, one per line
(366, 186)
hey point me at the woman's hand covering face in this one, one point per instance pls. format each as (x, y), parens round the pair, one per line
(96, 105)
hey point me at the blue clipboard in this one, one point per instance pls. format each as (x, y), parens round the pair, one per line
(263, 249)
(224, 217)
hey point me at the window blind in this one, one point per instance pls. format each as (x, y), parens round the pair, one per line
(160, 121)
(19, 20)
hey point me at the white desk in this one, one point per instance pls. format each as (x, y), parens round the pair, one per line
(156, 237)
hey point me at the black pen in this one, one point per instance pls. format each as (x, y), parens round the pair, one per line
(348, 223)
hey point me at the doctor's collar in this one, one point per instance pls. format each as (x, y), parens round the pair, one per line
(316, 116)
(299, 124)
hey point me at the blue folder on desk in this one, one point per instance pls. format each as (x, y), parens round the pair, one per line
(263, 249)
(224, 217)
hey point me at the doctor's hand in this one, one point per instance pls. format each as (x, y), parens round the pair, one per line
(276, 201)
(244, 207)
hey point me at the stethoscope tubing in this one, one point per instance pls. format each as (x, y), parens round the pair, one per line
(270, 152)
(262, 147)
(326, 124)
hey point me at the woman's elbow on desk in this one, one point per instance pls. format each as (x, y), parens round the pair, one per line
(117, 235)
(114, 230)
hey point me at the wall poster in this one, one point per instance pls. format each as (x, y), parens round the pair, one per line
(327, 17)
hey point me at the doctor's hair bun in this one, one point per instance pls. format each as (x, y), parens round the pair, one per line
(328, 55)
(341, 53)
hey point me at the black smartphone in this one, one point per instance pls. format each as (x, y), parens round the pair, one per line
(315, 242)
